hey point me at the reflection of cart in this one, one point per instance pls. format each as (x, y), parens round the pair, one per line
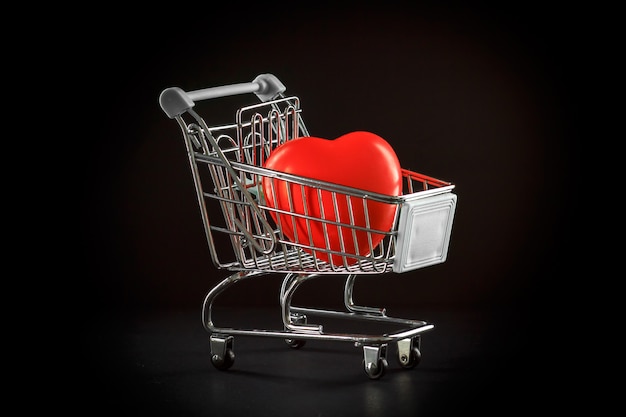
(227, 166)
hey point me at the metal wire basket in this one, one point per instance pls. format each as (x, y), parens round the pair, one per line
(227, 163)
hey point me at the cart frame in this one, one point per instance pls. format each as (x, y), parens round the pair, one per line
(227, 166)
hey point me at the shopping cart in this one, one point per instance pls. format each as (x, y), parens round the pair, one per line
(227, 163)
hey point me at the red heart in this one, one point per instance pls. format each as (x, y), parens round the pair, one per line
(360, 160)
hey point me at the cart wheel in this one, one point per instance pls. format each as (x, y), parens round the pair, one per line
(411, 360)
(225, 362)
(295, 343)
(376, 371)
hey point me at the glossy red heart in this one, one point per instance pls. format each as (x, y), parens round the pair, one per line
(360, 160)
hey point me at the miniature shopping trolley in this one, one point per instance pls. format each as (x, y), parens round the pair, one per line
(227, 163)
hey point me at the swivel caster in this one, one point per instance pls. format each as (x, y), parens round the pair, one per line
(374, 361)
(223, 362)
(409, 354)
(222, 355)
(295, 343)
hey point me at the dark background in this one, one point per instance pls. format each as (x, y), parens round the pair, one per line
(481, 98)
(487, 97)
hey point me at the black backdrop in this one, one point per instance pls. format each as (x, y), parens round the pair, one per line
(477, 97)
(482, 96)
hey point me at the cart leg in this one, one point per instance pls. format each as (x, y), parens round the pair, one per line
(222, 355)
(409, 354)
(294, 321)
(349, 303)
(375, 360)
(207, 305)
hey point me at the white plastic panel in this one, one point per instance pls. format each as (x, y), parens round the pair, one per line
(424, 231)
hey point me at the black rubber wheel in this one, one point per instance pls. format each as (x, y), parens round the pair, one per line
(414, 358)
(295, 343)
(377, 371)
(224, 363)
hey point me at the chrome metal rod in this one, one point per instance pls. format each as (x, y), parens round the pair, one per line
(207, 305)
(288, 288)
(358, 316)
(349, 303)
(357, 338)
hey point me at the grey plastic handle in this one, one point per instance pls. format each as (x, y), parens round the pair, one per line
(174, 101)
